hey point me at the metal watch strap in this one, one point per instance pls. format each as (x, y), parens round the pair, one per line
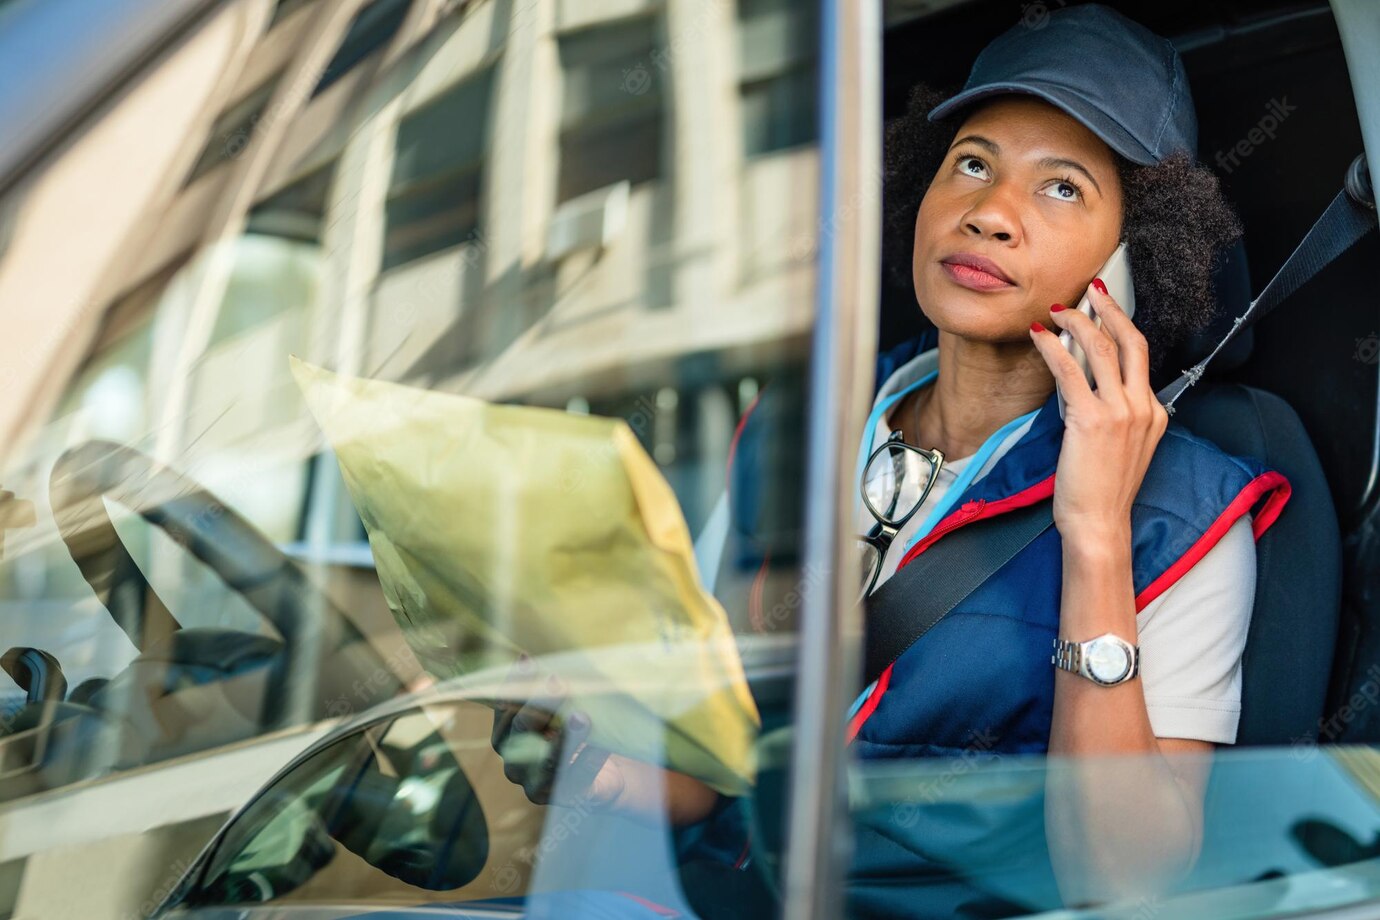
(1068, 655)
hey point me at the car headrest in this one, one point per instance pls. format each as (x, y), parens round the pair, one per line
(1232, 287)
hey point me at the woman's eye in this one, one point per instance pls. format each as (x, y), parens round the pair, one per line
(963, 167)
(1065, 190)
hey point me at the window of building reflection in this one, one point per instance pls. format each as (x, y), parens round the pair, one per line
(438, 173)
(233, 129)
(611, 107)
(777, 54)
(371, 29)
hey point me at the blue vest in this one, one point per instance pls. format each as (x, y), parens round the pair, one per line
(980, 681)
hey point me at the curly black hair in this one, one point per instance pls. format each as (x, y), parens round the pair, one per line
(1176, 222)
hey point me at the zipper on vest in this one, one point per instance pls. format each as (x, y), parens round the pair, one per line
(964, 515)
(977, 509)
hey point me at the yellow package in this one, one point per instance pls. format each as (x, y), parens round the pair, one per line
(502, 529)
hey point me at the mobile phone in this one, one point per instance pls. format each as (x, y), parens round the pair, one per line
(1116, 274)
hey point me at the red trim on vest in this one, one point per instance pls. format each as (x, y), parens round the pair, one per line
(747, 849)
(869, 704)
(1272, 483)
(733, 444)
(755, 595)
(658, 909)
(968, 512)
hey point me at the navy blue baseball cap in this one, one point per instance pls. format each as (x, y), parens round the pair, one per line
(1124, 82)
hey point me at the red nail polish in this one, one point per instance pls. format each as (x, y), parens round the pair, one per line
(1057, 307)
(1037, 327)
(1102, 288)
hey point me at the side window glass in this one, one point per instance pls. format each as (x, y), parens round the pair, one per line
(570, 219)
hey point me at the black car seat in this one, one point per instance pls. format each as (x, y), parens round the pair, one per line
(1293, 630)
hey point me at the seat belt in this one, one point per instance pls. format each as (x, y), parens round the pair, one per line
(922, 592)
(1350, 216)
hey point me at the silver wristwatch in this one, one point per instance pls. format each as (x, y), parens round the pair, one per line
(1107, 660)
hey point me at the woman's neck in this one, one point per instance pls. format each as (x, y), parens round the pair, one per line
(981, 386)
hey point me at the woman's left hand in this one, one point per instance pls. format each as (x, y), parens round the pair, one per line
(1110, 433)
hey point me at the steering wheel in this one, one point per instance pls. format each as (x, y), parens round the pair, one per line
(240, 556)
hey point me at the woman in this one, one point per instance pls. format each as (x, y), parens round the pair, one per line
(1003, 202)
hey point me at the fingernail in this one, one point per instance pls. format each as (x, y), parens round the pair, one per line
(1102, 288)
(1057, 307)
(1037, 327)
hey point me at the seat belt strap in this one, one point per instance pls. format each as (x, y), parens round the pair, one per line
(1350, 216)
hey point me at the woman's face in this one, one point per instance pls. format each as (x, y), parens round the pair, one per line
(1034, 191)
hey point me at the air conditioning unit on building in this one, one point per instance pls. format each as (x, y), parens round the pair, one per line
(591, 221)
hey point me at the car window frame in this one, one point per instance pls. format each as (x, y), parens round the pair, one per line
(843, 352)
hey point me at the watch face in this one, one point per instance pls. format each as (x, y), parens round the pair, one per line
(1107, 660)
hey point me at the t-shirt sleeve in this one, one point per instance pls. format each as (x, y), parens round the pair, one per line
(1191, 640)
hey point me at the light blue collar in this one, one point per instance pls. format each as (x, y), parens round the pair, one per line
(964, 480)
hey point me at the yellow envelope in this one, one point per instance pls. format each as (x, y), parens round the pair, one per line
(501, 529)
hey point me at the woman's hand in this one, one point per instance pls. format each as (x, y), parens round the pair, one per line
(1110, 433)
(536, 746)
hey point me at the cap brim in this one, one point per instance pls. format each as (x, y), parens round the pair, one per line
(1088, 114)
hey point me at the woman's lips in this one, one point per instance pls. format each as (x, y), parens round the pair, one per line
(973, 278)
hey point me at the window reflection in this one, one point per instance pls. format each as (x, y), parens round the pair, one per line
(438, 173)
(777, 55)
(611, 109)
(371, 29)
(232, 130)
(535, 204)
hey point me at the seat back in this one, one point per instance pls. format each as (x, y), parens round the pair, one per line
(1293, 632)
(1293, 629)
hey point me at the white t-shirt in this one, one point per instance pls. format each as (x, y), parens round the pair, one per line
(1191, 637)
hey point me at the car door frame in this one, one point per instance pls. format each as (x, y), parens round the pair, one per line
(843, 351)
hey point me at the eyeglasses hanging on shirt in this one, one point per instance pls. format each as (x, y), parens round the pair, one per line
(884, 485)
